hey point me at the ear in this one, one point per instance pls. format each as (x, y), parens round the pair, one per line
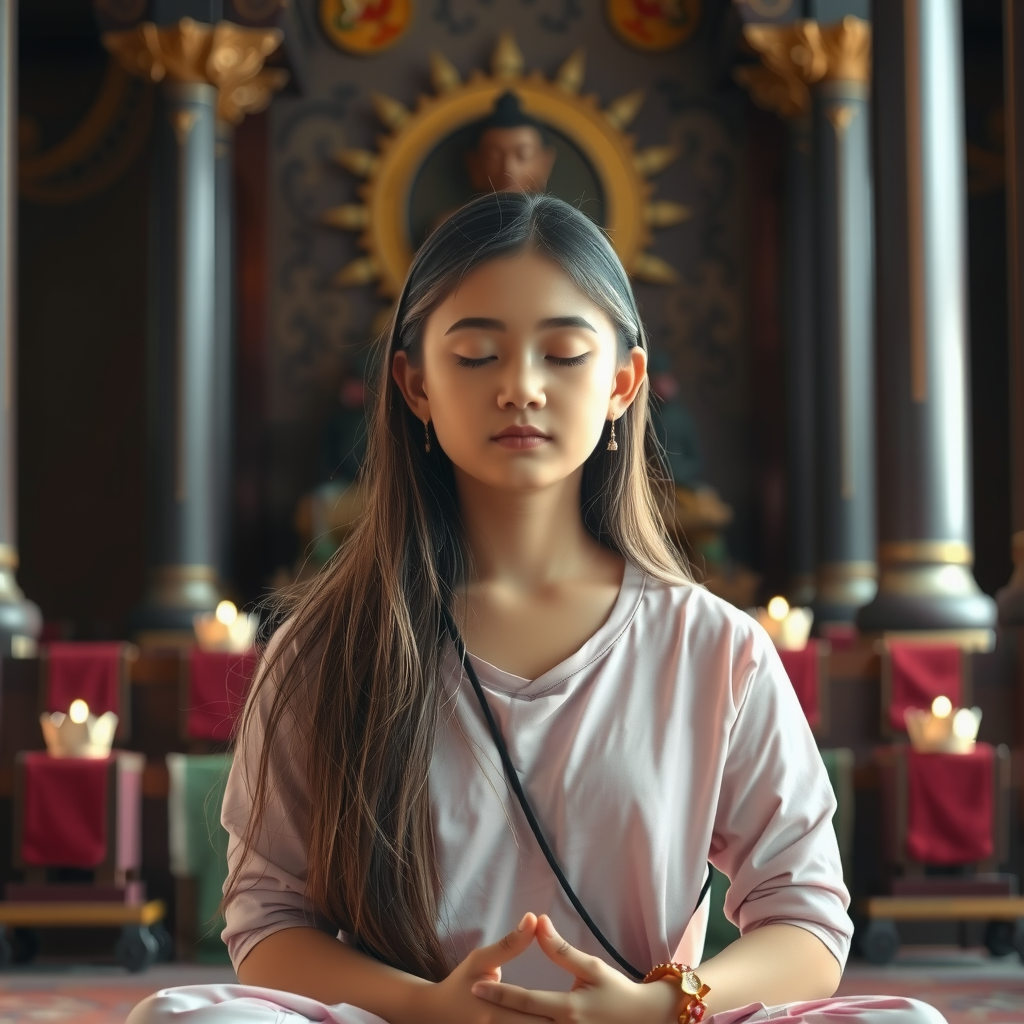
(409, 379)
(628, 378)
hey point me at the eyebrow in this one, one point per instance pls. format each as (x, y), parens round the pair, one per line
(566, 321)
(484, 323)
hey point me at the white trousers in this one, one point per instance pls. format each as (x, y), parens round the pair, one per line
(246, 1004)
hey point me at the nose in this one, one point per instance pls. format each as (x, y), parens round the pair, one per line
(521, 385)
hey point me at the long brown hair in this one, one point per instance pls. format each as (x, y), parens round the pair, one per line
(359, 662)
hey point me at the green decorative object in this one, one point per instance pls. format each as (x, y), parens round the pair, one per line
(199, 843)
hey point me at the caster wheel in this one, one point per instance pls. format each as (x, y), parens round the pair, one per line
(1018, 937)
(880, 941)
(6, 952)
(164, 940)
(999, 938)
(24, 945)
(137, 947)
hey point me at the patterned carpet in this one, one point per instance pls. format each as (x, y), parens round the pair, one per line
(94, 995)
(968, 988)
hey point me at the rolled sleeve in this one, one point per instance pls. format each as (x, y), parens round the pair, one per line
(773, 833)
(270, 890)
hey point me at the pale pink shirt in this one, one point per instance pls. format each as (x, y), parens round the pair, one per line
(672, 737)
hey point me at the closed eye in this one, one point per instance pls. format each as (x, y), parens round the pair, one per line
(466, 361)
(570, 360)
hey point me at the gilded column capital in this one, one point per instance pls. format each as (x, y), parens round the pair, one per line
(847, 46)
(799, 54)
(226, 56)
(792, 57)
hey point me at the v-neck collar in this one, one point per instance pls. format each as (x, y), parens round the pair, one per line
(631, 592)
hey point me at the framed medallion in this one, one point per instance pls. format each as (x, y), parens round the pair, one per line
(653, 24)
(365, 26)
(435, 156)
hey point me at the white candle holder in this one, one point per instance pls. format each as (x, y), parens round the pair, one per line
(944, 729)
(789, 628)
(79, 733)
(226, 629)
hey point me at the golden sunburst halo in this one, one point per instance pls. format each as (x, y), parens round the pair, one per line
(623, 171)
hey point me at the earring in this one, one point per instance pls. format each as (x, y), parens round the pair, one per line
(613, 445)
(426, 443)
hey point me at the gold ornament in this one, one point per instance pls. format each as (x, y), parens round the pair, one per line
(382, 215)
(226, 56)
(653, 24)
(365, 26)
(797, 55)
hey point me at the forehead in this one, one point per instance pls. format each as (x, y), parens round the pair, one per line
(520, 290)
(510, 138)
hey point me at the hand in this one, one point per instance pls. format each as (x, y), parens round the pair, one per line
(600, 994)
(451, 1001)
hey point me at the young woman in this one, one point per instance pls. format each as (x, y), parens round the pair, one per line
(382, 865)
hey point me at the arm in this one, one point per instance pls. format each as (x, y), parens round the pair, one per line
(310, 963)
(777, 963)
(276, 939)
(773, 838)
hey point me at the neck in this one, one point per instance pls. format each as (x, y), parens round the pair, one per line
(526, 539)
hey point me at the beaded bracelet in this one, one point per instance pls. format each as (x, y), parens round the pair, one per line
(692, 1007)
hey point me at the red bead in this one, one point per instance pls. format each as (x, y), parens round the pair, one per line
(697, 1013)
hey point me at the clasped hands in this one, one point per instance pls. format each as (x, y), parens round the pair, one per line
(475, 994)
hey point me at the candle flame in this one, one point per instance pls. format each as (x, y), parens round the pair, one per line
(964, 726)
(778, 608)
(78, 712)
(942, 707)
(226, 612)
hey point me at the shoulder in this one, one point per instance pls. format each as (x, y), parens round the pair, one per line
(706, 634)
(282, 684)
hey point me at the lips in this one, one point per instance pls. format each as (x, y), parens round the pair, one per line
(517, 436)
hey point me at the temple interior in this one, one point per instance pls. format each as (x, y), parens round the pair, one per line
(207, 209)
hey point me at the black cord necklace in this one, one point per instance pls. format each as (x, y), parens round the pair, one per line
(517, 788)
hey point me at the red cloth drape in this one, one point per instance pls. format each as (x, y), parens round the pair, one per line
(841, 635)
(218, 685)
(802, 669)
(65, 820)
(920, 673)
(949, 806)
(90, 671)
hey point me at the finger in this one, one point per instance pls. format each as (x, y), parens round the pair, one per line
(581, 965)
(549, 1005)
(507, 948)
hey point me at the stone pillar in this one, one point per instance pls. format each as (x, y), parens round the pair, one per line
(206, 73)
(925, 547)
(778, 85)
(800, 362)
(184, 576)
(834, 61)
(846, 569)
(224, 381)
(20, 620)
(1011, 597)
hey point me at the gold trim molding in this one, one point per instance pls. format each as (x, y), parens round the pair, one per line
(949, 552)
(226, 56)
(800, 54)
